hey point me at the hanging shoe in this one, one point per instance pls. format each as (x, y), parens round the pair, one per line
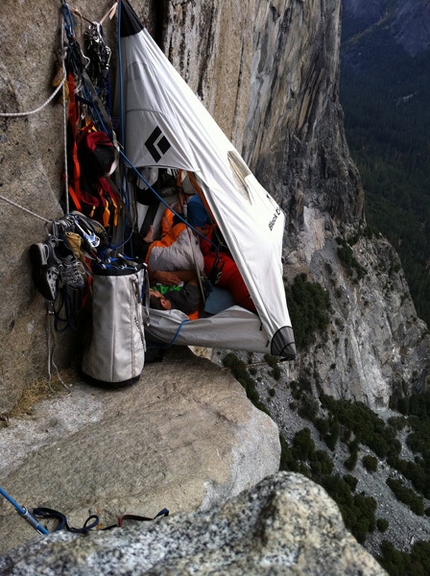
(54, 261)
(71, 271)
(45, 268)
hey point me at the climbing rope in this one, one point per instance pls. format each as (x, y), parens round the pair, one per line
(90, 523)
(51, 347)
(22, 511)
(24, 209)
(13, 114)
(65, 117)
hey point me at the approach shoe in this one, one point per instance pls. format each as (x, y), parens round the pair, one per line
(72, 272)
(45, 268)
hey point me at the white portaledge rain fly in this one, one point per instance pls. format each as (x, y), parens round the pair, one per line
(167, 126)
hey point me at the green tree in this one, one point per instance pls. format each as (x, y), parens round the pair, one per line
(370, 463)
(308, 304)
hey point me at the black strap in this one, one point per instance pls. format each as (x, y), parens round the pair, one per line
(63, 524)
(65, 313)
(153, 205)
(163, 512)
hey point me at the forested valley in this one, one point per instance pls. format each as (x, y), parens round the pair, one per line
(385, 95)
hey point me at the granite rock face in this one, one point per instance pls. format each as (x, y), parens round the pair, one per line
(375, 344)
(32, 161)
(268, 72)
(168, 441)
(284, 525)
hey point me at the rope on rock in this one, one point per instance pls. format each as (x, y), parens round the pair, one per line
(50, 315)
(24, 209)
(13, 114)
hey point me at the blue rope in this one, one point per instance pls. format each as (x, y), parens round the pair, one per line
(9, 498)
(166, 346)
(22, 511)
(125, 189)
(71, 37)
(121, 104)
(133, 167)
(68, 20)
(99, 120)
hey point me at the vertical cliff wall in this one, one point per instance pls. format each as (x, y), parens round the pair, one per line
(268, 71)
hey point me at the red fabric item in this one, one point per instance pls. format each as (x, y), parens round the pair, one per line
(230, 278)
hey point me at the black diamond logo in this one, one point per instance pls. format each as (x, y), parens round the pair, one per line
(157, 144)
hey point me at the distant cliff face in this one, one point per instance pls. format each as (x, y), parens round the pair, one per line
(365, 13)
(268, 71)
(411, 26)
(408, 21)
(278, 100)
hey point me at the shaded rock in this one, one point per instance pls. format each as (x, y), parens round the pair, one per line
(285, 525)
(184, 437)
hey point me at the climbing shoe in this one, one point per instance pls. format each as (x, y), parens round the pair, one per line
(53, 261)
(45, 268)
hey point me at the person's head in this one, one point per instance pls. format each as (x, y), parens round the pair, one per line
(197, 213)
(158, 301)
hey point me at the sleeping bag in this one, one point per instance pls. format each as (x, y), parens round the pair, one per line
(178, 248)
